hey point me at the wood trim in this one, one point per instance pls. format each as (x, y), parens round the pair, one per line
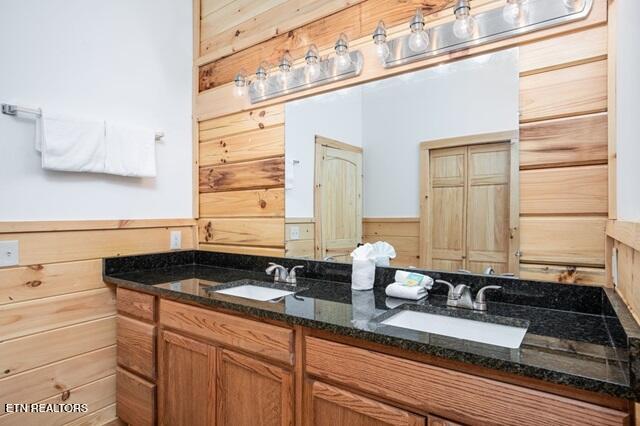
(82, 225)
(248, 250)
(324, 141)
(391, 219)
(626, 232)
(292, 220)
(478, 139)
(612, 62)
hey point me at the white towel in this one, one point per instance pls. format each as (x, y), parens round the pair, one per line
(403, 292)
(413, 278)
(130, 151)
(70, 144)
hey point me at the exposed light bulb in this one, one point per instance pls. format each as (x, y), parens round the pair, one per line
(419, 39)
(343, 59)
(380, 40)
(285, 70)
(240, 84)
(465, 25)
(312, 67)
(261, 78)
(515, 11)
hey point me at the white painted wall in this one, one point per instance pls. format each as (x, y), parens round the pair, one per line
(335, 115)
(628, 110)
(127, 61)
(477, 95)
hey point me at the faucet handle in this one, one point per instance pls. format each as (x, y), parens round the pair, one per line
(451, 288)
(280, 274)
(481, 304)
(292, 274)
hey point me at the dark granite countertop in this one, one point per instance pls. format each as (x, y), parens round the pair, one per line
(584, 338)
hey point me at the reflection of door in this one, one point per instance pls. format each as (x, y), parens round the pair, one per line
(470, 210)
(338, 199)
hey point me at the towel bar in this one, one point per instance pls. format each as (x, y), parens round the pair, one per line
(9, 109)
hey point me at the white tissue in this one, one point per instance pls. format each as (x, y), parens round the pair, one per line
(363, 269)
(382, 252)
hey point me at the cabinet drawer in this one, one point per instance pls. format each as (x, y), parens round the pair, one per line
(135, 399)
(454, 395)
(136, 304)
(266, 340)
(137, 346)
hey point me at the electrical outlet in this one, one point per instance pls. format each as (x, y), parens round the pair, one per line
(294, 233)
(9, 253)
(176, 240)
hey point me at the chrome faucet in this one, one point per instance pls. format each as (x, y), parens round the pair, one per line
(281, 274)
(460, 296)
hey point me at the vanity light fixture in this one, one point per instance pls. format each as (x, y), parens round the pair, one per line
(464, 26)
(240, 83)
(312, 59)
(343, 59)
(419, 39)
(515, 11)
(515, 18)
(380, 40)
(285, 69)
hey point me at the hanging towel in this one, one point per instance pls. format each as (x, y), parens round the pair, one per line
(130, 151)
(70, 144)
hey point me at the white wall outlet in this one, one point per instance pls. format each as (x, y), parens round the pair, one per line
(176, 240)
(9, 253)
(294, 233)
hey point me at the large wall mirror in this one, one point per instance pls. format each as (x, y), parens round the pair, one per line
(426, 161)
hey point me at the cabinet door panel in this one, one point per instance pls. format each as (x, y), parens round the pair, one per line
(331, 406)
(187, 381)
(252, 392)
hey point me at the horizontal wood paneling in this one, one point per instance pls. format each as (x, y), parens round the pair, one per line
(563, 240)
(304, 246)
(251, 232)
(570, 49)
(245, 121)
(251, 203)
(564, 142)
(97, 395)
(267, 173)
(242, 24)
(563, 274)
(50, 247)
(262, 143)
(136, 399)
(105, 416)
(38, 281)
(249, 250)
(628, 284)
(25, 353)
(58, 378)
(567, 190)
(479, 400)
(402, 233)
(20, 319)
(301, 249)
(579, 89)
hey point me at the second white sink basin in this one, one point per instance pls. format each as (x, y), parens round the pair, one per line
(477, 331)
(255, 292)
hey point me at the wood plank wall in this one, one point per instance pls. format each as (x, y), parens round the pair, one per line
(401, 233)
(241, 159)
(624, 237)
(304, 247)
(58, 318)
(563, 118)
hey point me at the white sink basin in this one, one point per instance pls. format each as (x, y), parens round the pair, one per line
(255, 292)
(477, 331)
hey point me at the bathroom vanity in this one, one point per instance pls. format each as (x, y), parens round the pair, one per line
(192, 351)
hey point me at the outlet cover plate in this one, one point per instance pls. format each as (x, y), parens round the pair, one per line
(9, 253)
(176, 240)
(294, 233)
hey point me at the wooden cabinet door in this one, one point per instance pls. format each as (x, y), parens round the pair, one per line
(186, 391)
(252, 392)
(327, 405)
